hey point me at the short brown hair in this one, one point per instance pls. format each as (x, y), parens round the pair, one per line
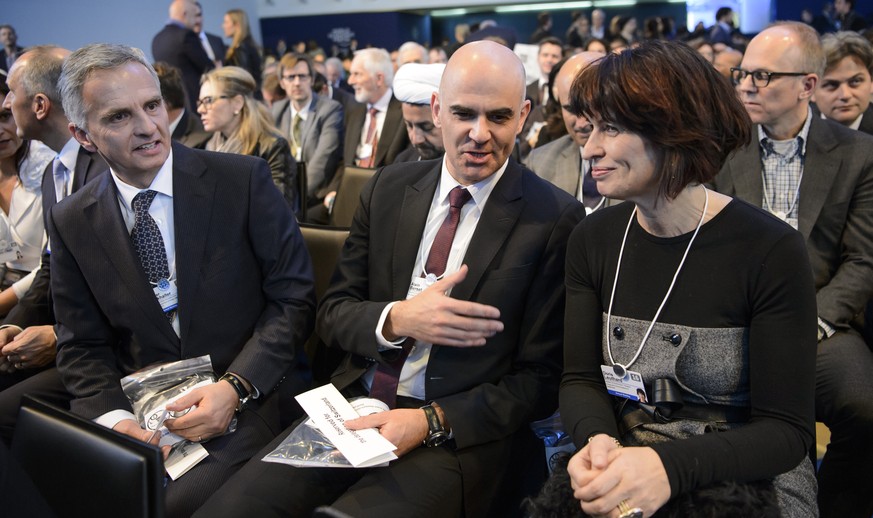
(845, 44)
(666, 93)
(290, 61)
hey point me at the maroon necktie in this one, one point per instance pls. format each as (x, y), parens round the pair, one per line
(373, 139)
(387, 376)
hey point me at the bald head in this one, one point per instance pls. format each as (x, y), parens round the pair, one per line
(485, 62)
(578, 127)
(480, 108)
(183, 11)
(781, 106)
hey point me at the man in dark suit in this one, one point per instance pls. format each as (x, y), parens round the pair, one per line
(185, 125)
(474, 368)
(560, 161)
(817, 176)
(178, 45)
(27, 336)
(176, 254)
(373, 126)
(11, 50)
(312, 125)
(846, 87)
(723, 29)
(549, 54)
(212, 43)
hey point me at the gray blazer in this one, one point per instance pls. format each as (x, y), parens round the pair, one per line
(322, 139)
(558, 162)
(835, 212)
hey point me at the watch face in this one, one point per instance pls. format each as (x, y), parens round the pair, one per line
(437, 438)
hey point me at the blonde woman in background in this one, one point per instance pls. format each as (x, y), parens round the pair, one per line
(242, 51)
(242, 125)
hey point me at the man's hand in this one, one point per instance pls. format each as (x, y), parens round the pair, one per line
(6, 336)
(34, 347)
(433, 317)
(216, 405)
(406, 428)
(131, 428)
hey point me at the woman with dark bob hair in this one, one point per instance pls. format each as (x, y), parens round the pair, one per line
(703, 302)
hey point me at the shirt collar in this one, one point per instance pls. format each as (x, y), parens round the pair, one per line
(69, 154)
(802, 137)
(163, 183)
(382, 103)
(479, 190)
(305, 111)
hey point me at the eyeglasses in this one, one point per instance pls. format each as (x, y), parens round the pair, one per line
(760, 78)
(291, 77)
(207, 102)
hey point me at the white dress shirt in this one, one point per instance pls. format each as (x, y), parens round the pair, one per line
(412, 376)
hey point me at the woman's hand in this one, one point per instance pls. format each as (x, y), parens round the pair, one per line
(633, 474)
(590, 461)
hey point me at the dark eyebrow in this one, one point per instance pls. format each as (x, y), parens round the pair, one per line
(501, 112)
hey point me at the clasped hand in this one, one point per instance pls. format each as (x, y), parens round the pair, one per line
(602, 475)
(433, 317)
(30, 348)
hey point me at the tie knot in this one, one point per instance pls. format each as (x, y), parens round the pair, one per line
(373, 112)
(459, 197)
(142, 201)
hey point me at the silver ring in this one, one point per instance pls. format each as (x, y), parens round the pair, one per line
(627, 511)
(19, 365)
(199, 438)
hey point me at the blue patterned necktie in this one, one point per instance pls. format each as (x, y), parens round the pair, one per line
(147, 241)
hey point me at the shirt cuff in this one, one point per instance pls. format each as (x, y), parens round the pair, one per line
(112, 418)
(825, 329)
(384, 344)
(4, 326)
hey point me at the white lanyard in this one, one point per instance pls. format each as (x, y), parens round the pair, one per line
(619, 369)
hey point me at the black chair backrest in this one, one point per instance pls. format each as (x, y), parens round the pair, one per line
(324, 245)
(348, 195)
(84, 469)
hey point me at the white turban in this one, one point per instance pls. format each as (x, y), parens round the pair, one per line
(414, 83)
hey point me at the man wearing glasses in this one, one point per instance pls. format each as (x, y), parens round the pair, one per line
(312, 125)
(817, 176)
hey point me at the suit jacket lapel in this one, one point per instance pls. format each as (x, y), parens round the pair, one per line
(497, 221)
(413, 217)
(107, 225)
(83, 164)
(746, 170)
(193, 195)
(310, 120)
(570, 167)
(867, 121)
(393, 118)
(820, 169)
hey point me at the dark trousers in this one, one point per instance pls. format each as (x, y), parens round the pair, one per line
(425, 482)
(844, 402)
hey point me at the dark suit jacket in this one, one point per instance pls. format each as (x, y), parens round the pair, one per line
(516, 263)
(18, 51)
(181, 48)
(217, 45)
(346, 99)
(244, 280)
(322, 134)
(35, 308)
(867, 121)
(188, 125)
(392, 140)
(835, 212)
(283, 167)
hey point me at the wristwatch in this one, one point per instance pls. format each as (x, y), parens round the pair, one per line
(436, 433)
(241, 391)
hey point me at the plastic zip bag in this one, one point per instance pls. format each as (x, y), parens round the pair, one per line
(307, 447)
